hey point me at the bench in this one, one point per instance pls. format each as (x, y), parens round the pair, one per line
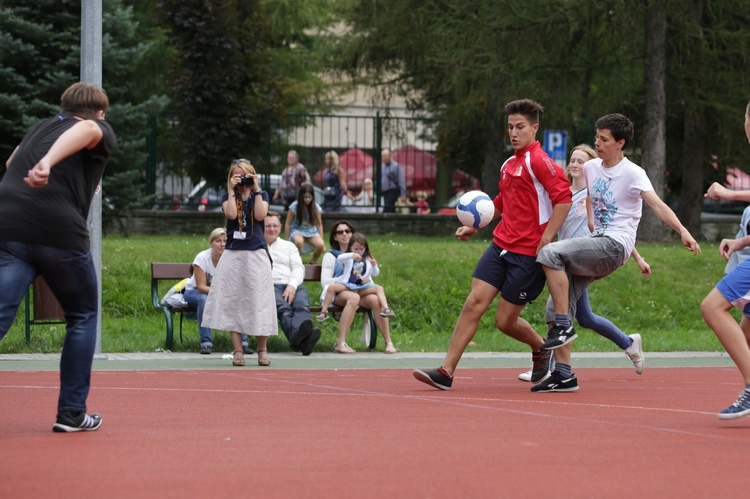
(161, 271)
(312, 273)
(172, 272)
(45, 309)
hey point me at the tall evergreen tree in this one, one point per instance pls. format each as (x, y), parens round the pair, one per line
(224, 101)
(40, 57)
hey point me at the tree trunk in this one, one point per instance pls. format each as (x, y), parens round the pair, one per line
(693, 161)
(493, 144)
(655, 116)
(694, 125)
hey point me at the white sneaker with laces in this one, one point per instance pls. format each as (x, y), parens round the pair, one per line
(526, 376)
(635, 353)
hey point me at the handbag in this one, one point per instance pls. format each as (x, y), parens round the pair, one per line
(174, 297)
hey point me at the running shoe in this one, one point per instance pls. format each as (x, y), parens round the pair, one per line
(76, 421)
(635, 353)
(555, 383)
(542, 365)
(741, 407)
(439, 378)
(558, 336)
(526, 375)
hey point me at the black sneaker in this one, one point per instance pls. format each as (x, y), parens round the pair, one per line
(559, 336)
(76, 421)
(303, 332)
(540, 370)
(308, 345)
(247, 350)
(205, 349)
(439, 378)
(555, 383)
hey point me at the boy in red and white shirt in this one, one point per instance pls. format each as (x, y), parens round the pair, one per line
(534, 200)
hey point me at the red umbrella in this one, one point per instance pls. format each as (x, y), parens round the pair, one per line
(420, 168)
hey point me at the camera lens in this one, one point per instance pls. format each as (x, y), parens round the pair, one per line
(247, 181)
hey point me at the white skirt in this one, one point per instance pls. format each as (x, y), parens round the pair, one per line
(242, 298)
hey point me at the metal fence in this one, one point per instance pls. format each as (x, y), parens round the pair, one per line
(358, 140)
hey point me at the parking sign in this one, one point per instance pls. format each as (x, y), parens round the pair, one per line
(556, 146)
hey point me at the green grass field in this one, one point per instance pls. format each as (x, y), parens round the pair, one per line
(426, 281)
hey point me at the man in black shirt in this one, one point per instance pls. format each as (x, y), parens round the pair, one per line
(45, 196)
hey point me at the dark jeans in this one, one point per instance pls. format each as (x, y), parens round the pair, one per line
(389, 200)
(71, 276)
(291, 315)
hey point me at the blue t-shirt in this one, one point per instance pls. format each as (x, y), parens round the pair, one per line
(252, 236)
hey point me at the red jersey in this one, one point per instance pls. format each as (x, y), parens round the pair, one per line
(531, 185)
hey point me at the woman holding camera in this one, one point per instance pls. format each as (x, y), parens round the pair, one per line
(242, 300)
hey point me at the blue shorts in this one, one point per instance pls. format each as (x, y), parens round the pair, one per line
(735, 287)
(519, 278)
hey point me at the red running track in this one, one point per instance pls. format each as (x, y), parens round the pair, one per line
(377, 433)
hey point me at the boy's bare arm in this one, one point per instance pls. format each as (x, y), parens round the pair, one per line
(668, 216)
(717, 191)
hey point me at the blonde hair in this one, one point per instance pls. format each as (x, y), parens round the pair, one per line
(586, 149)
(216, 234)
(246, 166)
(334, 156)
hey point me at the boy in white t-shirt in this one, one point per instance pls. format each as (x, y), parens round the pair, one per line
(616, 191)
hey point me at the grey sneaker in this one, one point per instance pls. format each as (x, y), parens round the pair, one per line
(439, 378)
(635, 353)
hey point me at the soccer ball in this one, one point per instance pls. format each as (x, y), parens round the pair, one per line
(475, 209)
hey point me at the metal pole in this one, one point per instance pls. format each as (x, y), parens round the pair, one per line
(91, 71)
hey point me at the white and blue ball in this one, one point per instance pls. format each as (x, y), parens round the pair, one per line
(475, 209)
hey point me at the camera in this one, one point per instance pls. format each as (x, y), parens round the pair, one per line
(246, 180)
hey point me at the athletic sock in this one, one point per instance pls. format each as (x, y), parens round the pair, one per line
(564, 369)
(563, 320)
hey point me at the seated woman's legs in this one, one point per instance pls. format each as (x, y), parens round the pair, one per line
(348, 301)
(372, 302)
(197, 300)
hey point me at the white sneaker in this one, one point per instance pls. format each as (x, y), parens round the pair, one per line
(635, 353)
(525, 376)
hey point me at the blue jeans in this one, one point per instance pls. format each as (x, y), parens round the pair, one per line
(71, 277)
(292, 315)
(197, 300)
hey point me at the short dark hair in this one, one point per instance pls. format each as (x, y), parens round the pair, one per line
(84, 100)
(619, 126)
(528, 108)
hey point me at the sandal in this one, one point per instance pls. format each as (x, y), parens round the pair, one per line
(263, 360)
(390, 348)
(322, 316)
(237, 361)
(343, 348)
(387, 312)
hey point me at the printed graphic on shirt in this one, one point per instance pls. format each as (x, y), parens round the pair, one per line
(603, 204)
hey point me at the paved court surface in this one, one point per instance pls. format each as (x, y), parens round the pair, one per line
(361, 360)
